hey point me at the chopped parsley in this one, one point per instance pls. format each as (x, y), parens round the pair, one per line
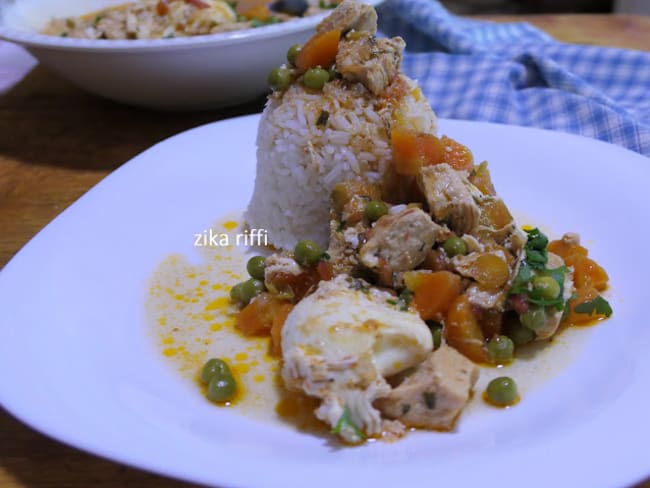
(359, 285)
(403, 301)
(536, 252)
(345, 423)
(598, 306)
(323, 117)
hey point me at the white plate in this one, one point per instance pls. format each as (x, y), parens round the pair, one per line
(185, 73)
(77, 363)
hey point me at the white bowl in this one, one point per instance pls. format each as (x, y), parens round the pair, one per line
(184, 73)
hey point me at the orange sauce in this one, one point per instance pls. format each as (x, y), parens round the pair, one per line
(298, 409)
(484, 395)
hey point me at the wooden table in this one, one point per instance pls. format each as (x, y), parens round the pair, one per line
(57, 141)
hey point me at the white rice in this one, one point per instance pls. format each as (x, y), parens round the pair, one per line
(298, 161)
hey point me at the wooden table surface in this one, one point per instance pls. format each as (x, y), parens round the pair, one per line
(57, 141)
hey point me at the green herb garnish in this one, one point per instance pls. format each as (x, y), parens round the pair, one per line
(345, 423)
(404, 300)
(323, 117)
(598, 306)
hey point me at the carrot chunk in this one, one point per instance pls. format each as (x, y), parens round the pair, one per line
(259, 12)
(412, 150)
(319, 50)
(463, 332)
(259, 316)
(456, 154)
(279, 318)
(433, 293)
(588, 272)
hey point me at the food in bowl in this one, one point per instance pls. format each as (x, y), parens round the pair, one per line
(155, 19)
(398, 272)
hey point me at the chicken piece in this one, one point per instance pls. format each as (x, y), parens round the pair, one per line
(350, 15)
(371, 61)
(554, 317)
(401, 241)
(485, 298)
(434, 395)
(340, 343)
(571, 238)
(451, 197)
(343, 246)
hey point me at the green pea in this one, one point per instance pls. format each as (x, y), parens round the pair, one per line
(279, 78)
(221, 388)
(454, 246)
(235, 292)
(292, 53)
(501, 349)
(520, 335)
(255, 267)
(436, 333)
(502, 391)
(375, 209)
(534, 319)
(250, 289)
(214, 367)
(546, 287)
(307, 252)
(315, 78)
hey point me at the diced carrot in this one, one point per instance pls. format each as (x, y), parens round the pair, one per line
(412, 150)
(588, 272)
(495, 214)
(490, 271)
(265, 315)
(481, 179)
(324, 270)
(433, 293)
(279, 318)
(244, 6)
(319, 50)
(456, 154)
(259, 12)
(162, 7)
(256, 318)
(583, 295)
(198, 3)
(463, 332)
(566, 250)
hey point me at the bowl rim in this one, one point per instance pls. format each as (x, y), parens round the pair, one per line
(35, 39)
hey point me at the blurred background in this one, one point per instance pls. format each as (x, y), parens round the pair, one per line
(546, 6)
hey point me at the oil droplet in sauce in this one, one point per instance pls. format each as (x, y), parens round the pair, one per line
(192, 320)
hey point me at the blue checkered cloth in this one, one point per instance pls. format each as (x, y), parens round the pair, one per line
(517, 74)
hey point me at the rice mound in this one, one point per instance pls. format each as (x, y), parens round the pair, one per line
(300, 158)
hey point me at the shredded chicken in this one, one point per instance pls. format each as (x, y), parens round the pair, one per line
(401, 241)
(372, 61)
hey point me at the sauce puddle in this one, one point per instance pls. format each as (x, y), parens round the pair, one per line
(192, 320)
